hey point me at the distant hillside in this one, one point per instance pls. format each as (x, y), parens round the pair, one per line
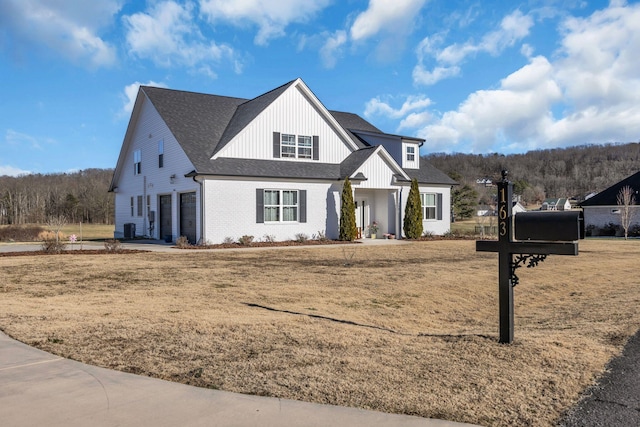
(561, 172)
(79, 196)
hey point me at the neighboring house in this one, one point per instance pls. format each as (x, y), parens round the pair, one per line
(485, 210)
(210, 167)
(517, 207)
(556, 205)
(603, 209)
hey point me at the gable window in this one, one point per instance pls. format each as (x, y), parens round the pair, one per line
(411, 153)
(161, 154)
(288, 145)
(305, 147)
(291, 146)
(281, 206)
(137, 162)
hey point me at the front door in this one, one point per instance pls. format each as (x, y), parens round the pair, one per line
(362, 216)
(188, 216)
(166, 223)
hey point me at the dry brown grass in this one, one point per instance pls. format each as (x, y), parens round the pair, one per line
(407, 329)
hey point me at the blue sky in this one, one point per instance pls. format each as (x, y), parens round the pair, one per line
(468, 76)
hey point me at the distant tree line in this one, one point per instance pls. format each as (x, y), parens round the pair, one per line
(79, 197)
(561, 172)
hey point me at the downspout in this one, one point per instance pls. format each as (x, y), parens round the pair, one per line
(399, 233)
(202, 227)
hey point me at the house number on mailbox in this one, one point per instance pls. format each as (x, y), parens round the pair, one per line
(536, 236)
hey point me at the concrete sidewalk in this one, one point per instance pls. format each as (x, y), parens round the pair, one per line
(38, 388)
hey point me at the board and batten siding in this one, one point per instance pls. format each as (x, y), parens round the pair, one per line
(415, 164)
(153, 181)
(378, 173)
(292, 113)
(230, 210)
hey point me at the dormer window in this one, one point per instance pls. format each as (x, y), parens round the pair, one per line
(411, 153)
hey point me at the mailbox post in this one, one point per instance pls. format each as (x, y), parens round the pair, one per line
(540, 234)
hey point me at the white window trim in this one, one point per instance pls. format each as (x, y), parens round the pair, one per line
(297, 146)
(281, 206)
(411, 153)
(425, 207)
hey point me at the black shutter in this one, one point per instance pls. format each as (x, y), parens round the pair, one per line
(302, 206)
(439, 206)
(316, 144)
(276, 145)
(259, 205)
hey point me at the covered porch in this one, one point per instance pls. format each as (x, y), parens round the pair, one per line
(377, 213)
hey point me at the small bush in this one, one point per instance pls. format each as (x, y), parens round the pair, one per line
(20, 233)
(427, 234)
(183, 242)
(228, 240)
(52, 243)
(634, 231)
(245, 240)
(269, 238)
(112, 245)
(609, 229)
(301, 237)
(321, 236)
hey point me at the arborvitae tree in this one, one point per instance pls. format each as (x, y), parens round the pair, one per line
(413, 213)
(348, 229)
(464, 200)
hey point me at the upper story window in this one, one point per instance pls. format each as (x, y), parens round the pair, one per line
(411, 153)
(291, 146)
(137, 162)
(305, 147)
(288, 145)
(160, 154)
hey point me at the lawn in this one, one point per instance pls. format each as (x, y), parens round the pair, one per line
(409, 329)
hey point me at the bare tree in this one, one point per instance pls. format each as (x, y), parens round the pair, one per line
(626, 200)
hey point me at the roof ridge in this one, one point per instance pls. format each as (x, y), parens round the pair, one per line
(191, 92)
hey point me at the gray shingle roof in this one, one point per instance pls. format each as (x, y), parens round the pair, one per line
(428, 174)
(271, 169)
(203, 124)
(196, 120)
(248, 111)
(608, 197)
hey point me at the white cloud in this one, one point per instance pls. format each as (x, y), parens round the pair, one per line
(131, 92)
(271, 17)
(385, 16)
(587, 93)
(168, 36)
(513, 28)
(27, 141)
(68, 28)
(378, 107)
(332, 48)
(8, 170)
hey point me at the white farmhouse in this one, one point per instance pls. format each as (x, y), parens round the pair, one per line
(210, 167)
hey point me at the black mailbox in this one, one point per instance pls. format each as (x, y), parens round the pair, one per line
(550, 226)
